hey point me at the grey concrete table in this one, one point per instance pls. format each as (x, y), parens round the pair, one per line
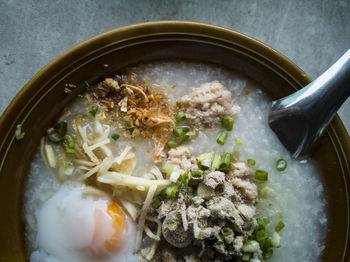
(312, 33)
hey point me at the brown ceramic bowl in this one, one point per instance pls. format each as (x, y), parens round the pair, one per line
(40, 102)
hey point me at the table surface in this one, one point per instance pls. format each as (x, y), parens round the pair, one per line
(313, 33)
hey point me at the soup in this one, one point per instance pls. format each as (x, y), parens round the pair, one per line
(171, 161)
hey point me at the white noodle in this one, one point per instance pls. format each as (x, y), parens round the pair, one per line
(140, 188)
(93, 191)
(157, 235)
(118, 179)
(50, 155)
(142, 218)
(132, 209)
(152, 251)
(90, 154)
(98, 128)
(121, 157)
(155, 170)
(84, 162)
(82, 132)
(84, 168)
(91, 172)
(97, 145)
(150, 234)
(106, 150)
(130, 155)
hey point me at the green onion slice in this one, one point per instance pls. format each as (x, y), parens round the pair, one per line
(93, 110)
(261, 235)
(226, 231)
(156, 203)
(197, 174)
(206, 159)
(55, 137)
(281, 164)
(115, 136)
(180, 116)
(227, 123)
(172, 191)
(225, 161)
(168, 168)
(281, 214)
(238, 141)
(172, 144)
(279, 226)
(251, 162)
(19, 134)
(222, 138)
(216, 161)
(61, 128)
(261, 175)
(177, 131)
(235, 156)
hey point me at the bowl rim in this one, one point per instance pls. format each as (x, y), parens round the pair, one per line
(13, 112)
(157, 27)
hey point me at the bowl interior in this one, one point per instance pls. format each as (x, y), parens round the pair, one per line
(39, 104)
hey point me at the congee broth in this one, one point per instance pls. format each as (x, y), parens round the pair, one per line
(171, 161)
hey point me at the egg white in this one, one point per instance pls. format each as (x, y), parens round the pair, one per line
(66, 225)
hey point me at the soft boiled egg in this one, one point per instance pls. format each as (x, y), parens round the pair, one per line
(73, 227)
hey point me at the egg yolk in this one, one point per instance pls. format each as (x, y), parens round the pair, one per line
(110, 230)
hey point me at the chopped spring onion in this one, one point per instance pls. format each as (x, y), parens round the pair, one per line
(226, 231)
(168, 168)
(251, 246)
(69, 144)
(279, 226)
(172, 144)
(246, 257)
(261, 235)
(196, 177)
(55, 137)
(177, 131)
(180, 116)
(235, 156)
(222, 138)
(227, 122)
(251, 162)
(281, 214)
(267, 254)
(225, 161)
(172, 191)
(238, 141)
(131, 130)
(275, 239)
(156, 203)
(62, 163)
(19, 134)
(197, 174)
(262, 222)
(186, 129)
(68, 141)
(204, 191)
(115, 136)
(281, 164)
(206, 159)
(61, 128)
(184, 137)
(267, 192)
(93, 110)
(216, 161)
(261, 175)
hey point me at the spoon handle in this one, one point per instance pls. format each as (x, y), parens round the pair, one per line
(323, 97)
(311, 108)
